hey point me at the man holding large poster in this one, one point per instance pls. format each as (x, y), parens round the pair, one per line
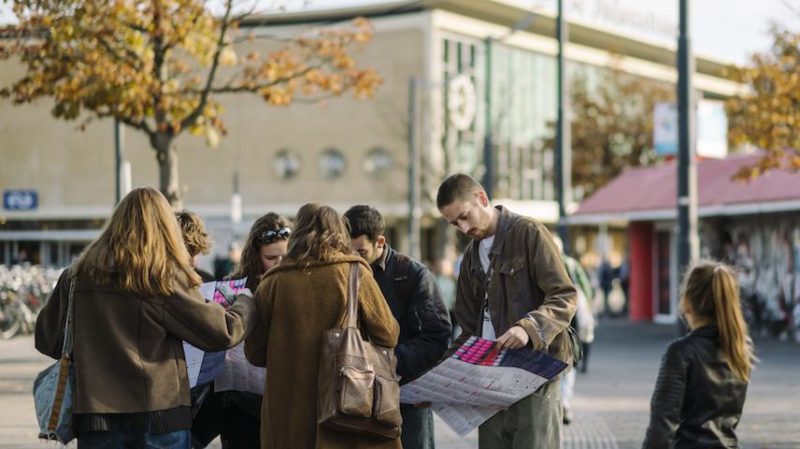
(512, 288)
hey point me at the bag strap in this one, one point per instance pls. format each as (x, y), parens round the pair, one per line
(351, 320)
(66, 350)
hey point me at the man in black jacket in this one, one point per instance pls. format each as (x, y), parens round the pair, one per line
(410, 289)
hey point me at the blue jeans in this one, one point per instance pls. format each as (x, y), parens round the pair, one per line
(180, 439)
(417, 427)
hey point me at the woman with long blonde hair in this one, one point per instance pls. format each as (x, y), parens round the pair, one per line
(296, 303)
(134, 299)
(702, 383)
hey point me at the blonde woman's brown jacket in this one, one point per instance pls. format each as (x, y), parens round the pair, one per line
(128, 351)
(296, 305)
(529, 286)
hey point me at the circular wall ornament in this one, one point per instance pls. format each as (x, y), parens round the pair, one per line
(378, 161)
(286, 164)
(461, 102)
(332, 163)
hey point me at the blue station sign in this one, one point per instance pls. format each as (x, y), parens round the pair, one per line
(20, 199)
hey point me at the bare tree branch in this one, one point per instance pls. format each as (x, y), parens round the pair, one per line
(212, 72)
(132, 57)
(229, 88)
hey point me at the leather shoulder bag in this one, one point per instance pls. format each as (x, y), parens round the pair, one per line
(359, 391)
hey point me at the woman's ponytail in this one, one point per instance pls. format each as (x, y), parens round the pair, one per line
(730, 322)
(714, 293)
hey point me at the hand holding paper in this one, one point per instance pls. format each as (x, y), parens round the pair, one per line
(480, 379)
(514, 338)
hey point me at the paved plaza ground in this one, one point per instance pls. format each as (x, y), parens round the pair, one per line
(611, 403)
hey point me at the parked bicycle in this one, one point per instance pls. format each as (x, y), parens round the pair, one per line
(23, 292)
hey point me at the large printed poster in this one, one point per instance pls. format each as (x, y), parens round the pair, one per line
(204, 367)
(479, 380)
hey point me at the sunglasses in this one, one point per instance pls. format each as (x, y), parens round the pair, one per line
(270, 236)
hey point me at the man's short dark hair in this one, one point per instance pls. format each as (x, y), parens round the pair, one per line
(365, 220)
(456, 187)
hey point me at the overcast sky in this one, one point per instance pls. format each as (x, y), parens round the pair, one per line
(726, 29)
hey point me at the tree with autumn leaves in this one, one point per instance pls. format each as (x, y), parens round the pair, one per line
(767, 114)
(159, 66)
(611, 124)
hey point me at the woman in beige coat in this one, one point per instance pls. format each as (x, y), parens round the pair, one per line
(296, 303)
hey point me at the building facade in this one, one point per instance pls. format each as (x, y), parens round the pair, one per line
(754, 227)
(484, 102)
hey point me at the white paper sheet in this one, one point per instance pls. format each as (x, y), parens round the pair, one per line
(194, 356)
(194, 360)
(240, 375)
(478, 381)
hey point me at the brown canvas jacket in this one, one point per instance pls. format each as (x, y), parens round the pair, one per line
(529, 286)
(128, 350)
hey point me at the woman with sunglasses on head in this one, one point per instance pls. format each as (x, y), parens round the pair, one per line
(231, 412)
(265, 248)
(702, 383)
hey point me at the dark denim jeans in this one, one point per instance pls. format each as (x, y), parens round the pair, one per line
(417, 427)
(180, 439)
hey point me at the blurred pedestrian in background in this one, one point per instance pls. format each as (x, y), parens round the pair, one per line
(605, 277)
(624, 273)
(135, 301)
(443, 269)
(583, 323)
(702, 382)
(224, 265)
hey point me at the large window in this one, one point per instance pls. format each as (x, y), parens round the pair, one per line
(523, 105)
(522, 108)
(462, 97)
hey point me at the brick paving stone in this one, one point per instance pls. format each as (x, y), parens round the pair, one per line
(611, 401)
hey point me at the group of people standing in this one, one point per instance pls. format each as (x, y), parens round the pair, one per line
(136, 299)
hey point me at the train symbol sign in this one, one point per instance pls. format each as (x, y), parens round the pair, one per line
(20, 199)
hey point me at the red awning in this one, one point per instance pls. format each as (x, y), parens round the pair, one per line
(650, 192)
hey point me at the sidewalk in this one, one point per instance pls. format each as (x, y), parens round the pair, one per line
(622, 371)
(611, 400)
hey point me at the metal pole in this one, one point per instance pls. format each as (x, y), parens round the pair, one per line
(563, 156)
(118, 143)
(413, 172)
(236, 204)
(688, 245)
(488, 138)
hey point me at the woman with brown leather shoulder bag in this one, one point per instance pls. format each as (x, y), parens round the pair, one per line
(297, 303)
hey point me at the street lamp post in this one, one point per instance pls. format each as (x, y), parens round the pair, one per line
(414, 213)
(688, 245)
(488, 138)
(563, 156)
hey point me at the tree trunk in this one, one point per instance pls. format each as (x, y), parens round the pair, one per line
(167, 158)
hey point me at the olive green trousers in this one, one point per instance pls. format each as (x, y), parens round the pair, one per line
(532, 423)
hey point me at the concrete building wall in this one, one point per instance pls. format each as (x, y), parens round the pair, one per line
(73, 171)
